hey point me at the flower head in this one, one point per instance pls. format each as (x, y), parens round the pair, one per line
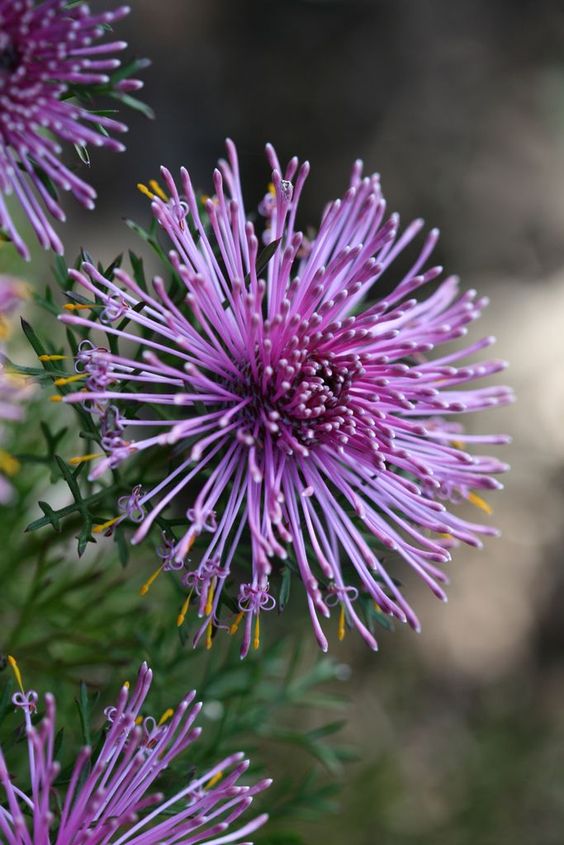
(48, 51)
(110, 797)
(324, 437)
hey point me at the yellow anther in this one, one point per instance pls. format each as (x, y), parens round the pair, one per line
(256, 638)
(209, 600)
(145, 191)
(59, 382)
(214, 780)
(82, 459)
(377, 607)
(56, 398)
(5, 329)
(209, 640)
(342, 628)
(126, 684)
(145, 588)
(53, 357)
(271, 189)
(8, 463)
(79, 306)
(478, 502)
(98, 529)
(205, 198)
(183, 610)
(158, 190)
(16, 670)
(139, 720)
(458, 444)
(235, 624)
(166, 716)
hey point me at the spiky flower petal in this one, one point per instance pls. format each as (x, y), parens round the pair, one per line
(110, 797)
(306, 406)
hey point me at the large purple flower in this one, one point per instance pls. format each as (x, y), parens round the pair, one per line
(45, 49)
(323, 435)
(110, 798)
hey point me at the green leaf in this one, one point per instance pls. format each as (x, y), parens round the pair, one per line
(138, 270)
(263, 259)
(129, 69)
(83, 154)
(58, 744)
(133, 103)
(61, 272)
(32, 337)
(266, 254)
(284, 595)
(51, 515)
(83, 704)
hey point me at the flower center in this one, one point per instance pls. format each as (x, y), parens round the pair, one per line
(309, 401)
(9, 57)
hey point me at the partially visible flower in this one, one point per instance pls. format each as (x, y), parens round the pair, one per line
(111, 797)
(48, 50)
(14, 390)
(13, 292)
(310, 412)
(13, 393)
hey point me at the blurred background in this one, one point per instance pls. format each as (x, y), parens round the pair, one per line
(460, 107)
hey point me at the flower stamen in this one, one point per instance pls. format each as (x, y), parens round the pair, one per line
(256, 638)
(209, 638)
(144, 589)
(17, 672)
(341, 630)
(480, 503)
(237, 621)
(209, 600)
(145, 191)
(168, 714)
(158, 190)
(80, 306)
(184, 609)
(99, 529)
(8, 463)
(59, 382)
(83, 459)
(214, 780)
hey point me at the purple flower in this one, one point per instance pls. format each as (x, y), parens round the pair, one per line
(325, 435)
(48, 50)
(111, 797)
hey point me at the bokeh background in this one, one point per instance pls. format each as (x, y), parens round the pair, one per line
(460, 107)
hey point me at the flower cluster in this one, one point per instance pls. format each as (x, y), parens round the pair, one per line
(327, 437)
(110, 798)
(48, 51)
